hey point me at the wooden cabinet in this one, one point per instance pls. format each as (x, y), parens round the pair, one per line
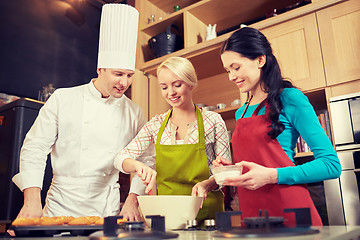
(339, 28)
(303, 39)
(192, 20)
(296, 45)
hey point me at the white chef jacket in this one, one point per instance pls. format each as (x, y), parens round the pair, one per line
(83, 132)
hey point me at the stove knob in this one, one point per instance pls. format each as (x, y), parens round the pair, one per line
(210, 224)
(134, 226)
(191, 224)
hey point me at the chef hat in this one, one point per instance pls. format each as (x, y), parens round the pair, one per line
(118, 36)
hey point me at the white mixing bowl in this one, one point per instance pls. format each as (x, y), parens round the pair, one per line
(176, 209)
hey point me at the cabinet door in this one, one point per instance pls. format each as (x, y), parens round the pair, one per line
(296, 46)
(339, 28)
(140, 92)
(157, 103)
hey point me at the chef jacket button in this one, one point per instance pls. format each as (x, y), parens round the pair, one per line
(86, 122)
(84, 148)
(111, 151)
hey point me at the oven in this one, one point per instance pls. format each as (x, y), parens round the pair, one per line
(345, 118)
(342, 195)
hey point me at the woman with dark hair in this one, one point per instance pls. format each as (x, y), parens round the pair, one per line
(267, 128)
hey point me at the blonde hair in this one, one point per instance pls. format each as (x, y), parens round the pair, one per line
(182, 67)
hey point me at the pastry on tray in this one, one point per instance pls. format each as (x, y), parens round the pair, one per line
(62, 220)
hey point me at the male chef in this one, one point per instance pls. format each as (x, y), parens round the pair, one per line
(84, 127)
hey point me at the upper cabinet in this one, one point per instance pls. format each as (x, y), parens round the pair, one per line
(297, 48)
(192, 20)
(339, 28)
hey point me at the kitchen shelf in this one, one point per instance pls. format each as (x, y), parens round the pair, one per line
(199, 55)
(160, 26)
(228, 112)
(168, 5)
(206, 12)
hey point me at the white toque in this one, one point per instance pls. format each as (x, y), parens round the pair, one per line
(118, 36)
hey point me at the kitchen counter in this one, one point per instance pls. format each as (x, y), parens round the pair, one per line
(326, 232)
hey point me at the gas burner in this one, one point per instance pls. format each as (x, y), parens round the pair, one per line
(133, 230)
(266, 226)
(261, 222)
(264, 232)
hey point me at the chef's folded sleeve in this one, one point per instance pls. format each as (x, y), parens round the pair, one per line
(29, 179)
(31, 172)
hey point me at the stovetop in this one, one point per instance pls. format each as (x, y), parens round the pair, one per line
(326, 233)
(261, 227)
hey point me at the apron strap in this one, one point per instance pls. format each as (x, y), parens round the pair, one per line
(261, 105)
(200, 123)
(161, 130)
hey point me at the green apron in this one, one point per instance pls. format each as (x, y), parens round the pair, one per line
(180, 167)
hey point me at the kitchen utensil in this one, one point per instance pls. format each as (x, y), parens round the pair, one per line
(220, 173)
(201, 105)
(166, 42)
(236, 102)
(210, 108)
(210, 32)
(220, 105)
(176, 209)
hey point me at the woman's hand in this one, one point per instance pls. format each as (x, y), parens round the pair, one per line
(256, 177)
(220, 161)
(202, 188)
(147, 174)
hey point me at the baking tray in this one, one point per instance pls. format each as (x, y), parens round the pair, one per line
(46, 231)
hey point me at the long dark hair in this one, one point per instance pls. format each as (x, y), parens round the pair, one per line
(251, 43)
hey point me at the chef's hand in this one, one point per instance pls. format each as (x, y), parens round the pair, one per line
(202, 188)
(256, 177)
(130, 209)
(32, 207)
(220, 161)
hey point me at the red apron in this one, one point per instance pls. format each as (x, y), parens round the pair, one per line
(252, 143)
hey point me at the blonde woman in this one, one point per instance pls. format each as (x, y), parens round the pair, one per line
(186, 139)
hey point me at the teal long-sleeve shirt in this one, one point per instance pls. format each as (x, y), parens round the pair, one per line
(299, 118)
